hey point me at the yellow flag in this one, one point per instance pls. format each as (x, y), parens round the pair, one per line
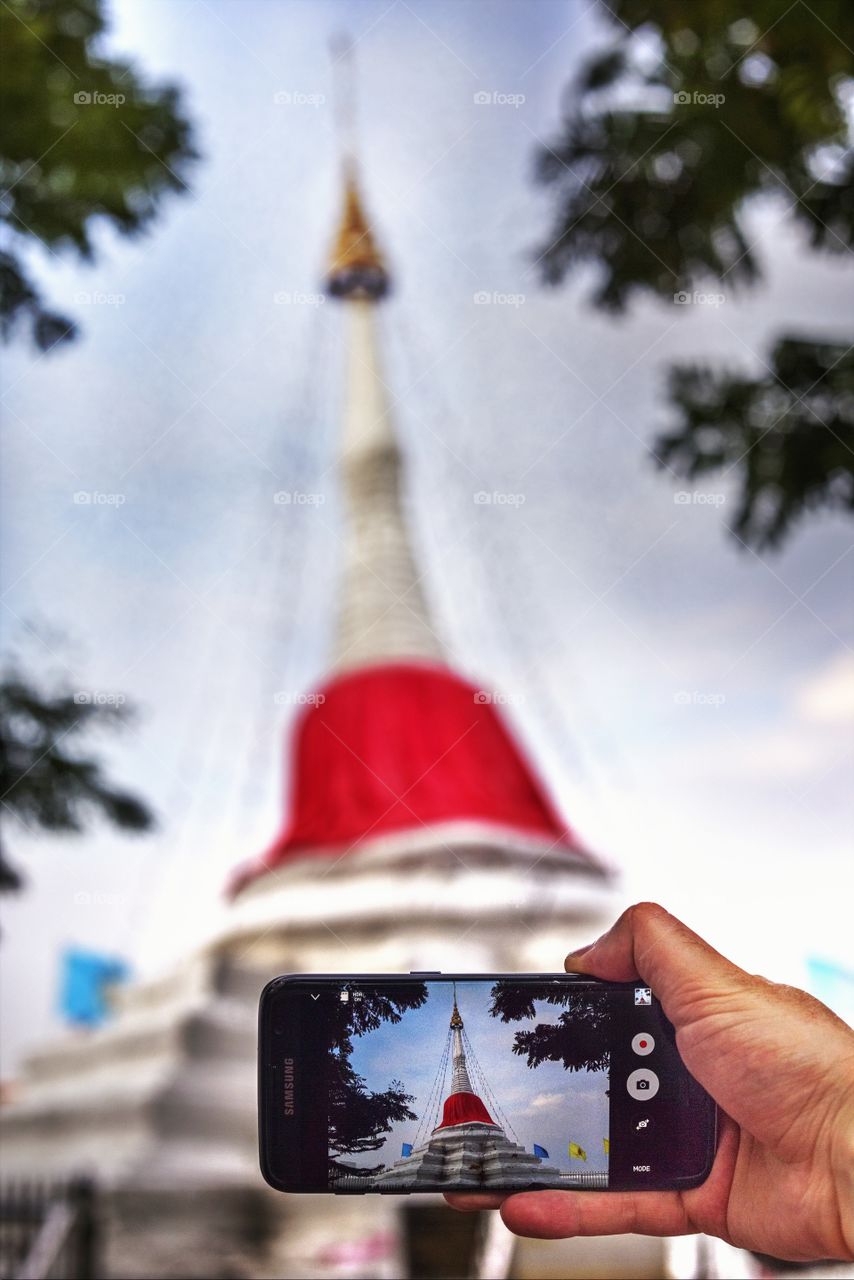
(607, 1145)
(576, 1152)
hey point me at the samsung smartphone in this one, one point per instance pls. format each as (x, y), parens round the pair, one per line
(489, 1082)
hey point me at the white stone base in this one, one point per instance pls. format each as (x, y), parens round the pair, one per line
(160, 1105)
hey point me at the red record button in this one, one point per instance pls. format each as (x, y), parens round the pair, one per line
(643, 1043)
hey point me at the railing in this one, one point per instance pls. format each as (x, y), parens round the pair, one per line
(585, 1178)
(48, 1231)
(581, 1178)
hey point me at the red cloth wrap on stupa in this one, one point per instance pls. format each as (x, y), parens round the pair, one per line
(464, 1108)
(404, 745)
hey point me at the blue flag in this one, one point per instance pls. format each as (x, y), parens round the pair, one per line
(84, 986)
(540, 1152)
(834, 985)
(406, 1148)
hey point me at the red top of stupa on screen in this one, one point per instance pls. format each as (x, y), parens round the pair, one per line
(464, 1108)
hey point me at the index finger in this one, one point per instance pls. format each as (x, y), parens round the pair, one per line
(552, 1215)
(472, 1201)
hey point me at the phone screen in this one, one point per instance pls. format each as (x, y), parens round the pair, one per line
(497, 1083)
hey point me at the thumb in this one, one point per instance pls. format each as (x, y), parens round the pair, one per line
(778, 1062)
(649, 943)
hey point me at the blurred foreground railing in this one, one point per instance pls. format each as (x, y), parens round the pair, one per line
(48, 1231)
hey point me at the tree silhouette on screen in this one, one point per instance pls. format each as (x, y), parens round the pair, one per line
(360, 1118)
(579, 1038)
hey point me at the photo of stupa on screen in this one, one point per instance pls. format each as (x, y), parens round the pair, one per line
(464, 1088)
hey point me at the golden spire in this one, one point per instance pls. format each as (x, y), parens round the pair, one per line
(456, 1019)
(356, 266)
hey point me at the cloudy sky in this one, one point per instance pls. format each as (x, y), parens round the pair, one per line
(689, 702)
(546, 1104)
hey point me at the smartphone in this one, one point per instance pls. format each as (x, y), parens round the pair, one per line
(394, 1084)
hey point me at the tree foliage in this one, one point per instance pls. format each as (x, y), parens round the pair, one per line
(47, 780)
(691, 115)
(790, 433)
(359, 1118)
(84, 139)
(579, 1038)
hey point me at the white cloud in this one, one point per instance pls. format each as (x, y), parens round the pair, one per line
(544, 1100)
(827, 698)
(807, 739)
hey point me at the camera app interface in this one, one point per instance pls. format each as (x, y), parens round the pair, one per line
(474, 1084)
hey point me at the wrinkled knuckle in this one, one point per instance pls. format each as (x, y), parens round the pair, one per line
(798, 996)
(767, 987)
(646, 913)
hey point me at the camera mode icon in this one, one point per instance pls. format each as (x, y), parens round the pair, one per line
(642, 1085)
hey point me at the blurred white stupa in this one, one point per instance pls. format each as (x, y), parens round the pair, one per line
(398, 762)
(417, 835)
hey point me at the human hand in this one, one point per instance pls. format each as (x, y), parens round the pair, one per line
(781, 1068)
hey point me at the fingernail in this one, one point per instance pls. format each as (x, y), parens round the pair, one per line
(575, 959)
